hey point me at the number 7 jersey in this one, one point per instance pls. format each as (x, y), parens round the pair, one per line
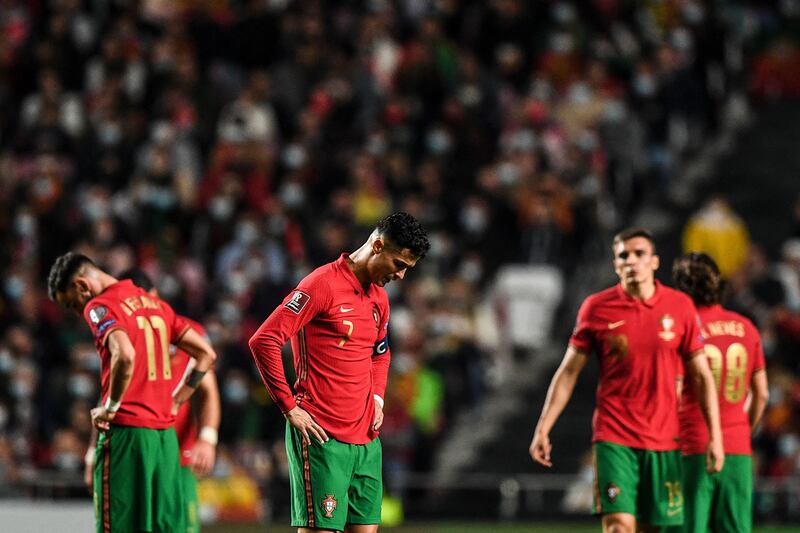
(151, 325)
(733, 348)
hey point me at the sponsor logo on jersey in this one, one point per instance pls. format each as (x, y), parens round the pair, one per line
(375, 316)
(328, 505)
(666, 332)
(615, 325)
(613, 492)
(297, 302)
(96, 314)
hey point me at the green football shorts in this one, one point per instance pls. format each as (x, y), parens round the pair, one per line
(137, 483)
(335, 483)
(644, 483)
(191, 502)
(718, 502)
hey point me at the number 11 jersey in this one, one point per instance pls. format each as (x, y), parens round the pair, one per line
(151, 325)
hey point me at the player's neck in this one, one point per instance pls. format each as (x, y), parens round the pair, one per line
(104, 281)
(640, 291)
(357, 261)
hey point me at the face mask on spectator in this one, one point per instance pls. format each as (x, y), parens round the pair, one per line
(80, 386)
(292, 195)
(25, 224)
(246, 233)
(6, 361)
(644, 85)
(235, 392)
(788, 445)
(21, 389)
(229, 312)
(109, 133)
(14, 287)
(294, 156)
(474, 219)
(67, 461)
(438, 142)
(221, 208)
(471, 270)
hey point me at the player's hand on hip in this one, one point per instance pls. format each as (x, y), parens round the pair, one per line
(203, 456)
(102, 417)
(378, 420)
(715, 457)
(540, 449)
(303, 422)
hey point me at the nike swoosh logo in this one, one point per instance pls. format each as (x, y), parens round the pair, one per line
(673, 512)
(344, 309)
(615, 325)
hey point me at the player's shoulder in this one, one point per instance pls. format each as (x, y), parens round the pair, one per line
(677, 298)
(320, 277)
(195, 325)
(750, 328)
(602, 297)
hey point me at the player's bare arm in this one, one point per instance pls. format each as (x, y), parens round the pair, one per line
(703, 380)
(204, 452)
(558, 394)
(759, 396)
(201, 351)
(123, 357)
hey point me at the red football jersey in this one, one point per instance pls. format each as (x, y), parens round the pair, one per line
(640, 346)
(186, 423)
(733, 348)
(151, 325)
(340, 347)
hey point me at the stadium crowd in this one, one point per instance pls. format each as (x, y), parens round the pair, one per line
(229, 147)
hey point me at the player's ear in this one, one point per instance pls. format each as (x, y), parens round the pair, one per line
(656, 262)
(377, 245)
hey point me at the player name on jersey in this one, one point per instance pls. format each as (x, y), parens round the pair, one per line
(719, 328)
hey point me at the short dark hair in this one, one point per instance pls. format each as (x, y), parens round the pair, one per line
(139, 278)
(698, 275)
(630, 233)
(63, 270)
(404, 231)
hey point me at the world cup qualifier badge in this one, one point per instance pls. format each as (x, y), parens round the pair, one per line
(613, 492)
(328, 505)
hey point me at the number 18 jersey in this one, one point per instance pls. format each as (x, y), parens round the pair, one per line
(733, 348)
(151, 325)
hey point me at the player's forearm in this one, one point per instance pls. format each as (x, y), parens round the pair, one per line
(558, 395)
(122, 363)
(709, 404)
(266, 350)
(210, 411)
(759, 398)
(380, 373)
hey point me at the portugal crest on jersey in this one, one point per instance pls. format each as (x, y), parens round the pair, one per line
(328, 505)
(666, 333)
(612, 492)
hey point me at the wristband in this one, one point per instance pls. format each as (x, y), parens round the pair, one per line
(112, 406)
(89, 457)
(209, 434)
(194, 378)
(378, 399)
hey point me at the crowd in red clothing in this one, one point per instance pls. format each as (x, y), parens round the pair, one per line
(229, 147)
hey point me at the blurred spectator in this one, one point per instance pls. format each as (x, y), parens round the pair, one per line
(716, 230)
